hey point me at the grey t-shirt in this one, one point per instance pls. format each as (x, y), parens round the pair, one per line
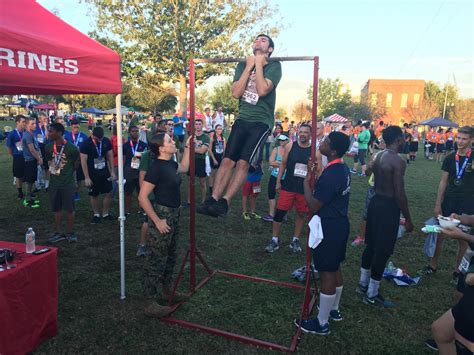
(29, 138)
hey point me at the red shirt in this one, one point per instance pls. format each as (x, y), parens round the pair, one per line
(114, 141)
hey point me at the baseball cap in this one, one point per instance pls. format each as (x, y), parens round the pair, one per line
(282, 137)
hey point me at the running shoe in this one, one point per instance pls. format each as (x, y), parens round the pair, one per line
(246, 216)
(378, 300)
(353, 171)
(268, 218)
(336, 315)
(427, 270)
(296, 246)
(273, 246)
(20, 196)
(430, 343)
(219, 209)
(72, 238)
(203, 208)
(31, 204)
(108, 217)
(56, 238)
(361, 289)
(141, 250)
(255, 215)
(95, 220)
(312, 326)
(358, 241)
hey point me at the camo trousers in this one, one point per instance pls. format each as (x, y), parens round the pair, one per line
(161, 253)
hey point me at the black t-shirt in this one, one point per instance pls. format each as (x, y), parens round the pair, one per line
(465, 190)
(132, 172)
(93, 159)
(164, 175)
(333, 189)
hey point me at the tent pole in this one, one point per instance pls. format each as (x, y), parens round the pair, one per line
(118, 106)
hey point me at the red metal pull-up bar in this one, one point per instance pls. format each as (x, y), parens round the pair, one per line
(235, 60)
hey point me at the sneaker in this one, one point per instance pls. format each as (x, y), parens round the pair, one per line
(56, 238)
(20, 196)
(246, 216)
(141, 250)
(378, 301)
(362, 289)
(255, 215)
(336, 315)
(219, 208)
(312, 326)
(203, 208)
(95, 220)
(268, 218)
(77, 196)
(273, 246)
(431, 344)
(427, 270)
(31, 204)
(108, 217)
(296, 246)
(72, 238)
(353, 171)
(358, 241)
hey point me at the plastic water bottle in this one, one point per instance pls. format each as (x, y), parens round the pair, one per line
(390, 267)
(30, 241)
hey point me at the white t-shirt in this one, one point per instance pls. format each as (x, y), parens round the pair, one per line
(207, 123)
(219, 119)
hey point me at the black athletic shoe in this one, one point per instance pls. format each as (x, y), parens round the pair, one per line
(219, 208)
(203, 208)
(95, 220)
(431, 344)
(108, 217)
(20, 196)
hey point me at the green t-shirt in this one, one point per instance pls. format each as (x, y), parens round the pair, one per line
(363, 139)
(67, 165)
(263, 110)
(199, 141)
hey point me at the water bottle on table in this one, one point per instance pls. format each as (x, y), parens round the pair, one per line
(30, 241)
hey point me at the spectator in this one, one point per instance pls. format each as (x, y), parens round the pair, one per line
(252, 189)
(15, 149)
(216, 153)
(77, 138)
(33, 159)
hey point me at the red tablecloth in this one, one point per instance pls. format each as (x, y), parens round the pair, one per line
(28, 301)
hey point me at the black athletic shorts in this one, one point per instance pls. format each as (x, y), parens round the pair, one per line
(368, 197)
(449, 145)
(463, 322)
(245, 141)
(199, 168)
(100, 185)
(406, 148)
(272, 187)
(18, 166)
(360, 156)
(432, 147)
(413, 147)
(132, 185)
(383, 221)
(62, 199)
(219, 158)
(440, 148)
(31, 171)
(450, 206)
(331, 252)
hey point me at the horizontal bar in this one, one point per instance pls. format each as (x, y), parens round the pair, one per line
(235, 60)
(228, 335)
(259, 279)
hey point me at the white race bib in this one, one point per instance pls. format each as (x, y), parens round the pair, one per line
(135, 164)
(300, 170)
(257, 189)
(40, 138)
(99, 163)
(464, 265)
(53, 168)
(250, 94)
(19, 146)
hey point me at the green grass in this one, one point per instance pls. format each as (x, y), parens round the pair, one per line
(92, 319)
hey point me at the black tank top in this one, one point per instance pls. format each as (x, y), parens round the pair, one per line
(218, 146)
(296, 168)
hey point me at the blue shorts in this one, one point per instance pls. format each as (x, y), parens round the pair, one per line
(331, 252)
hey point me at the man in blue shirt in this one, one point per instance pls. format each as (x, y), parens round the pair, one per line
(33, 159)
(76, 137)
(179, 127)
(330, 201)
(15, 148)
(41, 135)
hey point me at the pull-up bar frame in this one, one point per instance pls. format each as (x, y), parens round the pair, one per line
(193, 253)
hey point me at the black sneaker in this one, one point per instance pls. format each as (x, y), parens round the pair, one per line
(56, 238)
(95, 220)
(219, 208)
(378, 300)
(455, 278)
(108, 217)
(20, 196)
(203, 208)
(362, 289)
(427, 270)
(431, 344)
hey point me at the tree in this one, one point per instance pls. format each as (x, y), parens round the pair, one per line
(202, 99)
(463, 112)
(160, 37)
(426, 109)
(332, 97)
(361, 111)
(301, 111)
(280, 113)
(433, 93)
(222, 96)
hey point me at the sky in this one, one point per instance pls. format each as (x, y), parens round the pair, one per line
(358, 40)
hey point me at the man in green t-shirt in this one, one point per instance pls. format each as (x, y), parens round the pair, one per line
(63, 160)
(201, 146)
(363, 141)
(254, 85)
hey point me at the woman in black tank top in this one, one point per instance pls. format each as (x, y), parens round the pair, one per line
(216, 153)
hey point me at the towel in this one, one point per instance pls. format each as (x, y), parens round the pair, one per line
(316, 232)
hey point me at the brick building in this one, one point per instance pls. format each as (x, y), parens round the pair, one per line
(396, 96)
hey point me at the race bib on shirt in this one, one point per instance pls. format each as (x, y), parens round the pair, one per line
(53, 168)
(19, 146)
(300, 170)
(257, 189)
(135, 164)
(99, 163)
(40, 138)
(464, 265)
(250, 95)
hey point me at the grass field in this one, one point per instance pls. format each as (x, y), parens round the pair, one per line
(92, 319)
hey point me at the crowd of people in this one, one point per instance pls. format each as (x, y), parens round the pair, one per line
(154, 161)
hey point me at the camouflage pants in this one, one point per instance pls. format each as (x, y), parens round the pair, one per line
(161, 253)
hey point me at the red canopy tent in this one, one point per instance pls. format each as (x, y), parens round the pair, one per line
(41, 54)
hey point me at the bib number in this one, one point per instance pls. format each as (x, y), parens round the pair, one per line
(300, 170)
(99, 163)
(250, 95)
(464, 265)
(135, 164)
(19, 146)
(53, 168)
(40, 138)
(257, 189)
